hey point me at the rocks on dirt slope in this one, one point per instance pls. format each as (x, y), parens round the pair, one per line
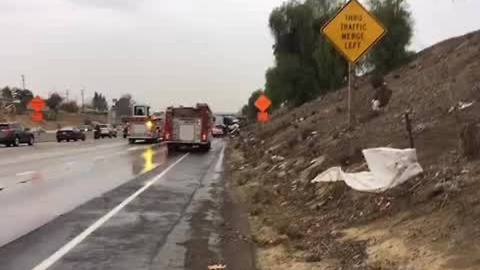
(431, 222)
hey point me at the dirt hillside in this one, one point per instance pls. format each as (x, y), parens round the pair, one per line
(430, 222)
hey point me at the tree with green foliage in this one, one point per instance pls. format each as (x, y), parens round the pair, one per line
(70, 106)
(53, 103)
(7, 93)
(124, 106)
(392, 50)
(99, 102)
(24, 96)
(306, 65)
(249, 110)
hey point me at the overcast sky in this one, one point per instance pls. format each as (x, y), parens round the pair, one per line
(166, 51)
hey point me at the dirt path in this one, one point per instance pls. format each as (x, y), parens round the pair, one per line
(238, 247)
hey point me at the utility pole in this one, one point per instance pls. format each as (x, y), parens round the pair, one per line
(83, 99)
(67, 92)
(23, 82)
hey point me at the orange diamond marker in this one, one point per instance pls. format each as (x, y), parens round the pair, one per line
(263, 117)
(37, 105)
(263, 103)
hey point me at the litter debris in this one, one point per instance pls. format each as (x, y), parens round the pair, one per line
(317, 161)
(464, 105)
(389, 168)
(217, 267)
(461, 106)
(278, 158)
(283, 165)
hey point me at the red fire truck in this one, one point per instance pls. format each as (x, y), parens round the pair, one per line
(189, 127)
(144, 126)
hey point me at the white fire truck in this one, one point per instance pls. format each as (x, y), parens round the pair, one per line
(142, 126)
(189, 126)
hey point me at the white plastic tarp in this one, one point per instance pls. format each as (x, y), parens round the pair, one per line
(389, 167)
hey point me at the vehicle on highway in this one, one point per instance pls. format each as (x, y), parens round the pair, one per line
(218, 131)
(85, 128)
(13, 134)
(70, 134)
(142, 126)
(105, 130)
(125, 130)
(229, 120)
(234, 130)
(189, 127)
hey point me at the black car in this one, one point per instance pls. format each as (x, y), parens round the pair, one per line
(13, 134)
(70, 134)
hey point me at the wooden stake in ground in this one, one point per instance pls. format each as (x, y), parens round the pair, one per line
(409, 130)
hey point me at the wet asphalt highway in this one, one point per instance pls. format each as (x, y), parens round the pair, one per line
(166, 206)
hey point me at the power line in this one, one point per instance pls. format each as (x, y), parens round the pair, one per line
(23, 82)
(83, 99)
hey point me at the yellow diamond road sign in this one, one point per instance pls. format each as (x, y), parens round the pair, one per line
(353, 31)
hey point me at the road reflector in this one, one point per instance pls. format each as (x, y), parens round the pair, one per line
(263, 117)
(263, 103)
(353, 31)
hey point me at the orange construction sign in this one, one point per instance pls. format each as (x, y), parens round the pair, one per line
(37, 105)
(37, 117)
(263, 103)
(263, 117)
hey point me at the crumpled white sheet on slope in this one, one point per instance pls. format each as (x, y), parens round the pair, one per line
(389, 167)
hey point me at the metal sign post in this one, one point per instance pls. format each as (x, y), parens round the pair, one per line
(349, 95)
(353, 32)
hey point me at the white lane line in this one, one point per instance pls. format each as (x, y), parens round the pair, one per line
(79, 238)
(25, 173)
(99, 158)
(219, 164)
(58, 152)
